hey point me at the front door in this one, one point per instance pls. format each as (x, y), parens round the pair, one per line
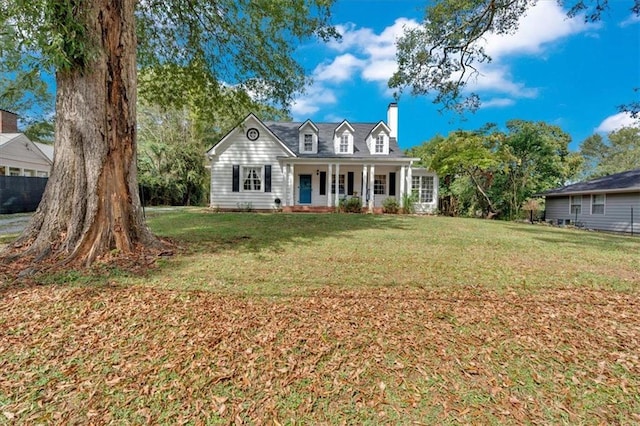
(305, 189)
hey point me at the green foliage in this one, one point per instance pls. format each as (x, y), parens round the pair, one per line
(441, 56)
(491, 173)
(170, 158)
(244, 44)
(390, 205)
(618, 153)
(350, 205)
(40, 131)
(408, 203)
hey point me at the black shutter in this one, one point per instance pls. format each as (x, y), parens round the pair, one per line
(267, 178)
(323, 183)
(349, 183)
(392, 183)
(235, 186)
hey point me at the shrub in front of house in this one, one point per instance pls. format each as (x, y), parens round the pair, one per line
(390, 205)
(351, 205)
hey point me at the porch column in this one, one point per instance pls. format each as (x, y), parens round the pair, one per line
(292, 192)
(285, 185)
(403, 179)
(372, 173)
(364, 185)
(329, 171)
(409, 181)
(337, 198)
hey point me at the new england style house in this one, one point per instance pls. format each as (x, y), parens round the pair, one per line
(313, 166)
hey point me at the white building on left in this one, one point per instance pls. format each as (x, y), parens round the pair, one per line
(19, 156)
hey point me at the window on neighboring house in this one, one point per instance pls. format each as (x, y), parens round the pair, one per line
(380, 144)
(42, 174)
(576, 204)
(422, 186)
(344, 143)
(3, 170)
(308, 142)
(13, 171)
(597, 204)
(380, 184)
(252, 178)
(340, 184)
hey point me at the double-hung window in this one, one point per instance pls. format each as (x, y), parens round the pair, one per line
(344, 143)
(422, 186)
(340, 184)
(308, 142)
(380, 184)
(380, 144)
(576, 204)
(597, 203)
(252, 178)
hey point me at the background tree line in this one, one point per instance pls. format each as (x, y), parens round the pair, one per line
(496, 173)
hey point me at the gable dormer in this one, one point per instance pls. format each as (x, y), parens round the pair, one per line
(378, 139)
(308, 138)
(343, 138)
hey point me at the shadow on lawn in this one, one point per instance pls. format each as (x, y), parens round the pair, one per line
(578, 237)
(204, 231)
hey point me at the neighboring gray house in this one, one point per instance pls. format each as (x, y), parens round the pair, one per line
(312, 166)
(609, 203)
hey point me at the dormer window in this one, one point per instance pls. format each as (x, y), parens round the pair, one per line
(308, 142)
(378, 139)
(308, 138)
(380, 144)
(344, 143)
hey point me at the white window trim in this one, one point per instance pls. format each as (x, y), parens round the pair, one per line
(340, 143)
(304, 142)
(422, 189)
(242, 178)
(384, 183)
(376, 145)
(604, 204)
(333, 184)
(571, 204)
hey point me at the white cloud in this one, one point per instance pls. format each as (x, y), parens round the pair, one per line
(497, 103)
(341, 69)
(544, 23)
(310, 102)
(616, 122)
(631, 20)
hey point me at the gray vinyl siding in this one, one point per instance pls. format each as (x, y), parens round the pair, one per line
(247, 153)
(616, 217)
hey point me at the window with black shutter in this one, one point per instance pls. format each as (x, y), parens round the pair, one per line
(349, 183)
(392, 183)
(267, 178)
(323, 183)
(235, 186)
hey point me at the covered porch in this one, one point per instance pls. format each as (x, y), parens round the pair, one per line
(321, 185)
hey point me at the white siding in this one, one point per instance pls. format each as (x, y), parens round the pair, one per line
(616, 217)
(243, 152)
(21, 153)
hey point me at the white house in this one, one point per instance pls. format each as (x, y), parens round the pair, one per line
(312, 166)
(19, 156)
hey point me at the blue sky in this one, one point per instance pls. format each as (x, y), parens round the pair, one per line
(554, 69)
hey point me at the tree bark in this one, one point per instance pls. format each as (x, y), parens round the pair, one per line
(91, 205)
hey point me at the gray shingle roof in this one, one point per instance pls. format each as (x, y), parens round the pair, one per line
(288, 133)
(628, 181)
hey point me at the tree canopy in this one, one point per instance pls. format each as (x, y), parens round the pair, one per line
(618, 152)
(440, 56)
(91, 206)
(492, 173)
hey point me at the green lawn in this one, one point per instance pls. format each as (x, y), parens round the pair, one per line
(334, 319)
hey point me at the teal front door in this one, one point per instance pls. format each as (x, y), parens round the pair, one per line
(305, 189)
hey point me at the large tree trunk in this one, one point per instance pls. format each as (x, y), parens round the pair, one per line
(91, 205)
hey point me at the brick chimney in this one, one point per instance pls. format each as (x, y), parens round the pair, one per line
(8, 122)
